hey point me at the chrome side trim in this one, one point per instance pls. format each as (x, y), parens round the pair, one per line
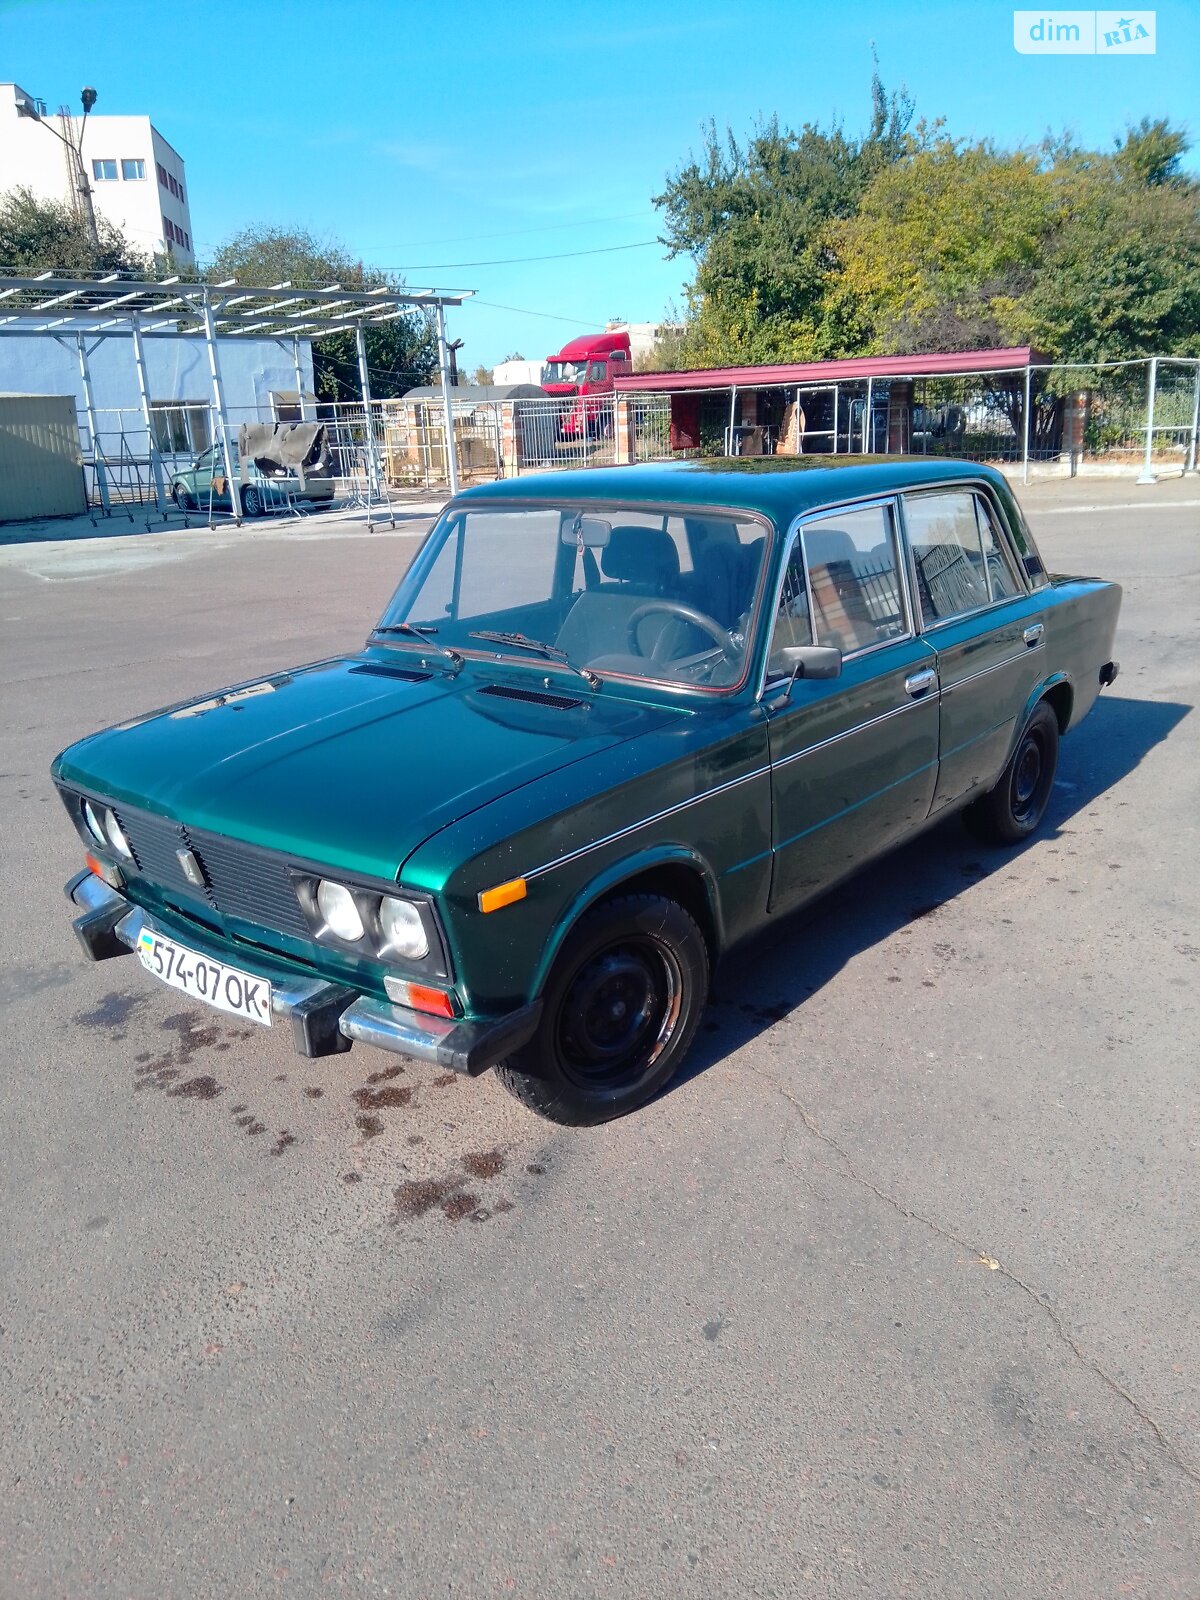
(1006, 661)
(646, 822)
(859, 727)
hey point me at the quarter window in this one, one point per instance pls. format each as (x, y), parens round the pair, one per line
(958, 554)
(1002, 580)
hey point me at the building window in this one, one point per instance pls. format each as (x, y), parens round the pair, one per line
(187, 243)
(182, 196)
(173, 185)
(104, 171)
(162, 173)
(180, 426)
(132, 169)
(168, 230)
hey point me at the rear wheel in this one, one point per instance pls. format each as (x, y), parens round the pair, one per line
(1012, 809)
(620, 1011)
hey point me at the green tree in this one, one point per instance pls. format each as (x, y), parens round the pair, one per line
(942, 247)
(401, 353)
(47, 236)
(754, 219)
(1084, 256)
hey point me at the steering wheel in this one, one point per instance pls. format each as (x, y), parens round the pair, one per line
(720, 636)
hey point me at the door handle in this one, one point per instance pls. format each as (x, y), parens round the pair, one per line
(1033, 634)
(917, 682)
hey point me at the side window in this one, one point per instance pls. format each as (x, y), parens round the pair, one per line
(1002, 580)
(947, 548)
(854, 577)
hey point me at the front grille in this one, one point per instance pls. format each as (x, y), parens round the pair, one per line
(239, 880)
(250, 883)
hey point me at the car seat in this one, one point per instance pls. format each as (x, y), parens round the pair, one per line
(636, 565)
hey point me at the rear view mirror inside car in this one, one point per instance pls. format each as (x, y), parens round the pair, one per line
(591, 533)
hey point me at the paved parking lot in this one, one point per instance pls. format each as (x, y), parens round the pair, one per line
(894, 1295)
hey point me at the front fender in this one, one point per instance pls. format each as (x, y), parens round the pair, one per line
(624, 871)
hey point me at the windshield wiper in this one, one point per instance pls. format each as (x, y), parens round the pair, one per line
(411, 630)
(551, 652)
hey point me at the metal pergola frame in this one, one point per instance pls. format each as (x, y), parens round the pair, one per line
(86, 310)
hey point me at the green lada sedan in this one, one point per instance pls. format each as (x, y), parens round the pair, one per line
(612, 723)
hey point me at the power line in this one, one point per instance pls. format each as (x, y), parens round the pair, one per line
(520, 311)
(510, 233)
(519, 261)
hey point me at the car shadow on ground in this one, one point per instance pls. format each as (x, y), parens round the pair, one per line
(767, 978)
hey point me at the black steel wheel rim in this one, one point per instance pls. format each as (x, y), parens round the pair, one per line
(1029, 787)
(618, 1014)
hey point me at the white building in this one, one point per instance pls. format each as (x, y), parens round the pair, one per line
(518, 371)
(136, 177)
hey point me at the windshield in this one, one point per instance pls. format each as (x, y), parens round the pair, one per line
(616, 592)
(565, 372)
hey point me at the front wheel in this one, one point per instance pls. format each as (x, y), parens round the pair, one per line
(252, 501)
(620, 1010)
(1012, 809)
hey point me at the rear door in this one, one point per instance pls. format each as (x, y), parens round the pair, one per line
(985, 623)
(853, 759)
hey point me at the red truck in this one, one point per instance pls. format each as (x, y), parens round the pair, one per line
(583, 367)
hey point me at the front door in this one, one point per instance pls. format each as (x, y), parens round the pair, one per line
(985, 626)
(853, 759)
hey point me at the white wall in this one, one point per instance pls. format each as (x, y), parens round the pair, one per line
(32, 157)
(176, 370)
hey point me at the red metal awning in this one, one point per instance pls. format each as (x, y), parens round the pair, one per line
(931, 364)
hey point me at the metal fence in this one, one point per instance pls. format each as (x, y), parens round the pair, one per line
(1139, 416)
(1134, 415)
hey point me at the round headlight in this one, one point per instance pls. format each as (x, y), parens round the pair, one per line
(91, 820)
(116, 836)
(403, 929)
(336, 905)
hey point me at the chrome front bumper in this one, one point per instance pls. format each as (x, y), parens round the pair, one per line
(326, 1017)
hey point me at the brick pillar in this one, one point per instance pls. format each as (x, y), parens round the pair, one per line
(626, 445)
(899, 417)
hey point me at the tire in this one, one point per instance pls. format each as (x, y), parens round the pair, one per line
(1013, 808)
(252, 501)
(182, 499)
(621, 1008)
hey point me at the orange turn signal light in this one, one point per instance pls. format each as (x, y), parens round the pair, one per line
(113, 876)
(419, 997)
(504, 894)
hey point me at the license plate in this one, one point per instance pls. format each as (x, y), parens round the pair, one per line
(217, 985)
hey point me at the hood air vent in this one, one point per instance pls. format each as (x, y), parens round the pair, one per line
(382, 669)
(533, 697)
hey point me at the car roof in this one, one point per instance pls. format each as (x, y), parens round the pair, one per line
(778, 487)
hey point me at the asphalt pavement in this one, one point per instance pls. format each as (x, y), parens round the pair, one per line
(894, 1294)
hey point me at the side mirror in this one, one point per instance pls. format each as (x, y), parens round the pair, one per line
(812, 660)
(805, 661)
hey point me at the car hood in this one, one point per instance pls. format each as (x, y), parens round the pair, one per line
(352, 763)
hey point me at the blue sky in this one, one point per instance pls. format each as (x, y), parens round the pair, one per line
(431, 138)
